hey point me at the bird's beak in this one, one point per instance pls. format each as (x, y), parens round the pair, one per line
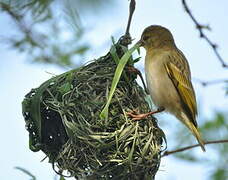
(140, 42)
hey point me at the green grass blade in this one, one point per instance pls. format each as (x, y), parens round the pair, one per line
(117, 75)
(61, 178)
(26, 172)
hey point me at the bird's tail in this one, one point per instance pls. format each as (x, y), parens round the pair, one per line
(195, 132)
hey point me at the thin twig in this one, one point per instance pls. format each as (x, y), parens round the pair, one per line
(166, 153)
(212, 82)
(126, 38)
(200, 28)
(131, 11)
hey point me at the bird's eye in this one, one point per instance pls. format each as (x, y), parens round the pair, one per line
(145, 38)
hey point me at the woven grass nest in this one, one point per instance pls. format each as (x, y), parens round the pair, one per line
(63, 120)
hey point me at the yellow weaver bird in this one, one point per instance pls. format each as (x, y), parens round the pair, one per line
(168, 78)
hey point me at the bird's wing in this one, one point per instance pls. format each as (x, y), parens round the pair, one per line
(178, 70)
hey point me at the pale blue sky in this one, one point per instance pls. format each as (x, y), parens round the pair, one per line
(18, 77)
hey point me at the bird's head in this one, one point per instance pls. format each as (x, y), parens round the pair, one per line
(154, 37)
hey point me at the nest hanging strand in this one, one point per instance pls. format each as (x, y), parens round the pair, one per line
(74, 136)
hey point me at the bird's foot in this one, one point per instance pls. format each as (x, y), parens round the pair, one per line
(134, 70)
(136, 117)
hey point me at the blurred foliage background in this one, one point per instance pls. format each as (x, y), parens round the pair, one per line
(52, 32)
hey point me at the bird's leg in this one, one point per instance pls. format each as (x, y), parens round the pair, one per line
(137, 117)
(132, 69)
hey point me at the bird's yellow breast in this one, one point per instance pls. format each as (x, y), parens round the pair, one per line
(160, 86)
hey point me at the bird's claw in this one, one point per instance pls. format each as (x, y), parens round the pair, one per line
(135, 116)
(132, 69)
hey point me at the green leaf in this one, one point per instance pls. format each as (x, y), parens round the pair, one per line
(146, 147)
(220, 174)
(137, 60)
(187, 156)
(61, 178)
(26, 172)
(138, 50)
(113, 40)
(114, 54)
(81, 50)
(117, 75)
(65, 88)
(217, 122)
(69, 126)
(134, 142)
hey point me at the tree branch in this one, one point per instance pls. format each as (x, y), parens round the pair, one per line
(166, 153)
(31, 36)
(212, 82)
(200, 28)
(131, 11)
(126, 38)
